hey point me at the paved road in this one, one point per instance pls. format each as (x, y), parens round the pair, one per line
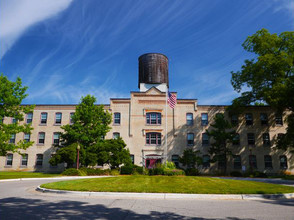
(19, 200)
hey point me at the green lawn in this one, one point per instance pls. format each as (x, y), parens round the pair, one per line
(17, 175)
(169, 184)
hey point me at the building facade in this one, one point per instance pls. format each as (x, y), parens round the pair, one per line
(155, 133)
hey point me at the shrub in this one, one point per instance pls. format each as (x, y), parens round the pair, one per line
(256, 173)
(138, 169)
(73, 172)
(127, 170)
(173, 172)
(114, 172)
(192, 172)
(236, 174)
(156, 171)
(169, 165)
(94, 172)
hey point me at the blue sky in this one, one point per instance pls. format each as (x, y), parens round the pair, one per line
(65, 49)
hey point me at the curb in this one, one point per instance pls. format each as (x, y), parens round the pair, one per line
(54, 178)
(125, 195)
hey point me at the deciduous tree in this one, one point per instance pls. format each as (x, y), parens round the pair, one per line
(268, 77)
(11, 96)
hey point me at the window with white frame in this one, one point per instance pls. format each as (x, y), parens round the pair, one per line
(190, 139)
(153, 118)
(237, 162)
(279, 119)
(9, 159)
(252, 162)
(12, 139)
(263, 119)
(116, 135)
(58, 118)
(117, 118)
(189, 118)
(153, 138)
(283, 162)
(39, 160)
(204, 119)
(29, 118)
(24, 160)
(56, 138)
(249, 119)
(44, 118)
(27, 137)
(251, 138)
(175, 160)
(266, 139)
(268, 161)
(70, 117)
(205, 139)
(41, 138)
(206, 161)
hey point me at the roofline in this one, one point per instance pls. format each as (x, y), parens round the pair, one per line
(152, 53)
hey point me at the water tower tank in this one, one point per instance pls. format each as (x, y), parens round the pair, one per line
(153, 68)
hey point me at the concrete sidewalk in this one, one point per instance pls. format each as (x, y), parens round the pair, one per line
(54, 178)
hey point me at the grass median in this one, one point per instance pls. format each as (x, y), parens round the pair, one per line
(169, 184)
(18, 175)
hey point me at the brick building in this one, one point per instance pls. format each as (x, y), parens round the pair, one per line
(141, 121)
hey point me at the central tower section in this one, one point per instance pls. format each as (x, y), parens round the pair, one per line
(153, 72)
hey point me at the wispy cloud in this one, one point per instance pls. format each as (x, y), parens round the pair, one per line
(17, 16)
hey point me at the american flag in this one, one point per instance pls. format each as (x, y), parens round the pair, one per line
(172, 100)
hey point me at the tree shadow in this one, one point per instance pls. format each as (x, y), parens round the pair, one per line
(23, 208)
(282, 202)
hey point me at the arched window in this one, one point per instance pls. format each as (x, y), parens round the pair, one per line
(153, 118)
(153, 138)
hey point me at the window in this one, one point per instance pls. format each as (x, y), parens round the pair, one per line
(41, 138)
(44, 118)
(249, 119)
(204, 119)
(189, 117)
(206, 161)
(237, 162)
(13, 121)
(263, 119)
(53, 166)
(234, 120)
(39, 160)
(116, 135)
(24, 160)
(29, 118)
(132, 158)
(281, 136)
(70, 117)
(236, 139)
(9, 159)
(266, 139)
(27, 137)
(56, 137)
(117, 118)
(279, 119)
(283, 162)
(190, 139)
(153, 138)
(12, 139)
(175, 160)
(153, 118)
(268, 161)
(251, 139)
(205, 139)
(252, 162)
(58, 118)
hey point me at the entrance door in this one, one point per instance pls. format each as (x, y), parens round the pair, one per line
(151, 163)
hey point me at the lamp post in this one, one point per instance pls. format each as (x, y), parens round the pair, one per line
(78, 154)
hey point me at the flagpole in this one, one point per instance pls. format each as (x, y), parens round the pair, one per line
(165, 153)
